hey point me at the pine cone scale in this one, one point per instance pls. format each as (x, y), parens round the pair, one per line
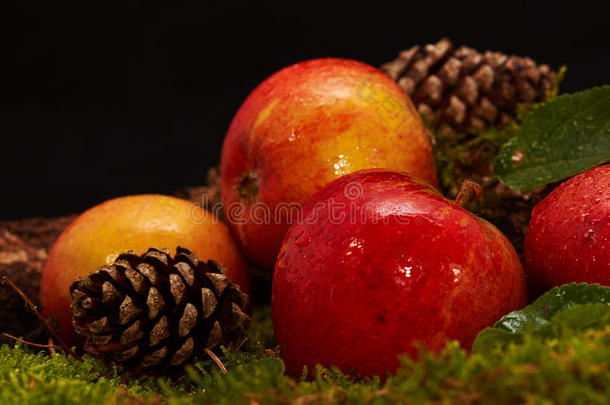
(208, 302)
(159, 332)
(155, 303)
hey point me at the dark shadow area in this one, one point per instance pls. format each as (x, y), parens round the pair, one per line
(98, 102)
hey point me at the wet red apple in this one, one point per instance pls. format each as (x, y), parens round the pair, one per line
(381, 263)
(135, 223)
(568, 237)
(301, 128)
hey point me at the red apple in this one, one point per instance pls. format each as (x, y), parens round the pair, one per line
(568, 237)
(135, 223)
(382, 262)
(303, 127)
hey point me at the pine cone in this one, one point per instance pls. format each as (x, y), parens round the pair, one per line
(153, 311)
(464, 91)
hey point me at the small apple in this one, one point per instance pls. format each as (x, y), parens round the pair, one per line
(380, 263)
(301, 128)
(135, 223)
(568, 237)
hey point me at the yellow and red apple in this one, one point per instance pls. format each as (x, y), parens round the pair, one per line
(303, 127)
(135, 223)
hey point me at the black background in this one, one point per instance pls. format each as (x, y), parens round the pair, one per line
(104, 100)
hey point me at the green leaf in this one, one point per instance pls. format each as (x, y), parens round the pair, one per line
(578, 318)
(558, 313)
(490, 339)
(551, 303)
(570, 322)
(559, 139)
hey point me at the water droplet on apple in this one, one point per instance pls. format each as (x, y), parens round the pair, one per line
(457, 270)
(356, 245)
(342, 165)
(406, 270)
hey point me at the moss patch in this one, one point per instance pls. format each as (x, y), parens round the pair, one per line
(572, 369)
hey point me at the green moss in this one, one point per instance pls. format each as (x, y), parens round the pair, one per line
(260, 333)
(27, 377)
(539, 368)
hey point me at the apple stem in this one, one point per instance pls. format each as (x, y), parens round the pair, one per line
(64, 345)
(468, 190)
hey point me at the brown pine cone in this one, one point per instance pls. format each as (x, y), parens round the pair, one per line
(153, 311)
(465, 91)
